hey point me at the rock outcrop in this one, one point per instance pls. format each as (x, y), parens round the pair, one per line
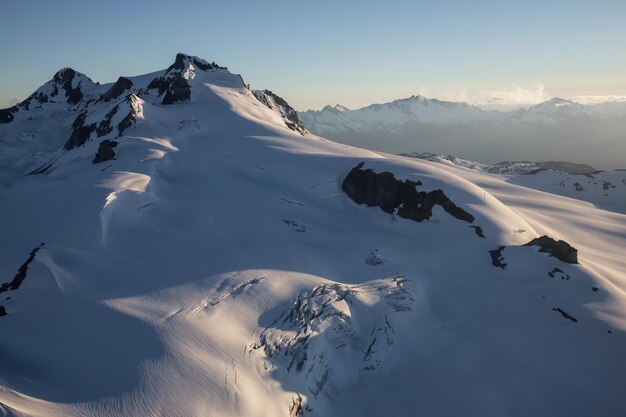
(121, 85)
(560, 249)
(173, 85)
(105, 151)
(275, 102)
(367, 187)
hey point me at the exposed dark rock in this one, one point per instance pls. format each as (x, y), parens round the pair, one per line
(606, 185)
(64, 78)
(365, 186)
(556, 271)
(292, 120)
(126, 122)
(497, 258)
(105, 151)
(3, 311)
(373, 259)
(595, 289)
(479, 231)
(565, 315)
(104, 127)
(559, 249)
(179, 63)
(295, 409)
(38, 97)
(81, 132)
(19, 277)
(121, 85)
(131, 117)
(178, 90)
(578, 187)
(173, 87)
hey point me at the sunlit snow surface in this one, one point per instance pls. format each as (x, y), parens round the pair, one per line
(216, 268)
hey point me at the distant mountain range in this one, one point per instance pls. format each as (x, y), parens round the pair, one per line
(178, 244)
(555, 129)
(605, 189)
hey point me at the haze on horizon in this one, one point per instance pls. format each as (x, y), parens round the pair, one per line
(495, 54)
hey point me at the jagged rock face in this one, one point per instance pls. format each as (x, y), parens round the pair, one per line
(95, 111)
(64, 78)
(181, 59)
(62, 82)
(560, 249)
(173, 86)
(81, 132)
(121, 85)
(136, 109)
(365, 186)
(105, 151)
(275, 102)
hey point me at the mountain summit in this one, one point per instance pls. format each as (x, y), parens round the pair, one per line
(105, 112)
(177, 244)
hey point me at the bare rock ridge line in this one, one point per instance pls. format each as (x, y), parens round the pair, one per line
(122, 84)
(62, 80)
(19, 277)
(82, 131)
(365, 186)
(275, 102)
(559, 249)
(121, 103)
(173, 86)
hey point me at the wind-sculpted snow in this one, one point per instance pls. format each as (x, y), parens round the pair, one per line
(215, 266)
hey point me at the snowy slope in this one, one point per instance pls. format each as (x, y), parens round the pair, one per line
(605, 189)
(219, 263)
(555, 129)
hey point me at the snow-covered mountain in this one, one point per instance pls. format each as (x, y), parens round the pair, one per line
(389, 116)
(605, 189)
(178, 244)
(555, 129)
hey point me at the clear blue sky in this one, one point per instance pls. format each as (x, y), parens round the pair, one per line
(326, 52)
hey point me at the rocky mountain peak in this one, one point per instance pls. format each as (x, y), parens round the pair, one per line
(183, 61)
